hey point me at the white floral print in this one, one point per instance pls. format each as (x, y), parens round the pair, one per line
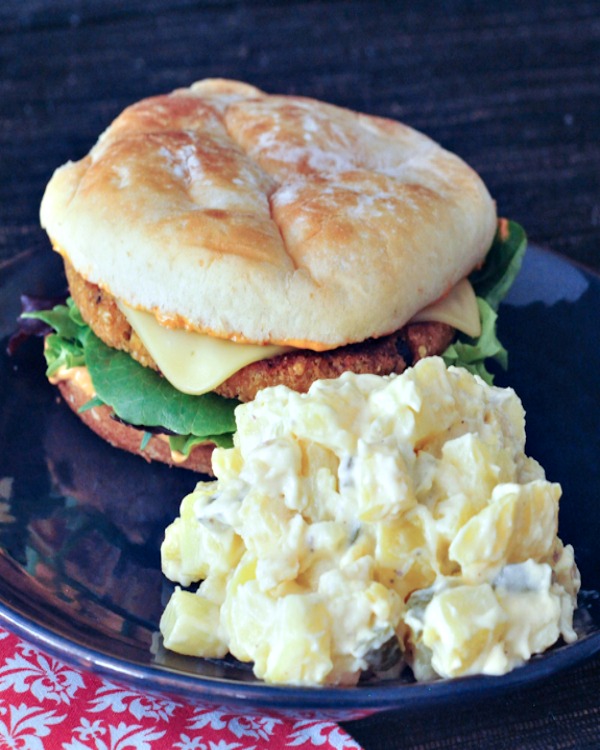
(45, 678)
(47, 705)
(115, 737)
(239, 724)
(24, 727)
(320, 734)
(140, 705)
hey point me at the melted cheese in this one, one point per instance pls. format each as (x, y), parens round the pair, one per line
(196, 363)
(193, 362)
(458, 309)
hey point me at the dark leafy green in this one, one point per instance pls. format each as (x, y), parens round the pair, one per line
(137, 395)
(491, 283)
(141, 396)
(502, 264)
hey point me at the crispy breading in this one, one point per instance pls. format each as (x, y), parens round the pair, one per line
(99, 310)
(296, 369)
(383, 356)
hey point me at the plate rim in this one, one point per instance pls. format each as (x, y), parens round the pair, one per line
(382, 696)
(372, 698)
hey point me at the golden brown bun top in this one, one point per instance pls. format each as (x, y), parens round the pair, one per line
(268, 218)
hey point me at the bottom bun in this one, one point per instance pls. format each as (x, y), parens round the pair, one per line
(124, 436)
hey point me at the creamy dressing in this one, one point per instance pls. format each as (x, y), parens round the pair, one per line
(80, 376)
(371, 510)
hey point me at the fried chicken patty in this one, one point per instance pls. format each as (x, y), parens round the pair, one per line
(296, 369)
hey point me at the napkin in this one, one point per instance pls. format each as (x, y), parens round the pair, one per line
(44, 703)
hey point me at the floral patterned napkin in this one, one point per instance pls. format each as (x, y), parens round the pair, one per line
(45, 704)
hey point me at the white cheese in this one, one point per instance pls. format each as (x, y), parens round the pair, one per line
(193, 362)
(458, 309)
(196, 363)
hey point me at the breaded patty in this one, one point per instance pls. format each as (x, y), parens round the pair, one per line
(383, 356)
(297, 369)
(100, 312)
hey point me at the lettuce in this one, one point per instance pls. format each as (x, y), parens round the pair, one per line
(137, 394)
(65, 348)
(491, 283)
(140, 396)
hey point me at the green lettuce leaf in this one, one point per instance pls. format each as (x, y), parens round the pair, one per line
(141, 396)
(502, 263)
(185, 443)
(137, 394)
(66, 346)
(472, 354)
(491, 283)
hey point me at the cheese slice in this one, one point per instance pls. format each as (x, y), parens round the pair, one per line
(196, 363)
(193, 362)
(458, 309)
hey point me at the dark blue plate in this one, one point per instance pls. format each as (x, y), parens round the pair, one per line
(81, 523)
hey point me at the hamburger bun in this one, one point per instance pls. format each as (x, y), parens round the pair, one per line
(101, 420)
(266, 220)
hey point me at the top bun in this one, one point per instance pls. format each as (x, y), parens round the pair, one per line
(262, 218)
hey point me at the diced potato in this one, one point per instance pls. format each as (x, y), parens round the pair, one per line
(534, 618)
(244, 572)
(464, 628)
(417, 574)
(190, 625)
(383, 483)
(364, 612)
(400, 540)
(214, 587)
(519, 523)
(299, 642)
(170, 552)
(227, 463)
(247, 616)
(273, 529)
(565, 572)
(202, 495)
(468, 471)
(368, 511)
(429, 394)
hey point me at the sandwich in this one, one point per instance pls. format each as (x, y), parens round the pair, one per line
(219, 240)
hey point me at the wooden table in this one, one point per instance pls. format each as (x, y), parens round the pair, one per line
(513, 87)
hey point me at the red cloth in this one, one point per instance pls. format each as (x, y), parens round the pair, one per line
(46, 704)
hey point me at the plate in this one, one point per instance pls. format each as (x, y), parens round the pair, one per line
(81, 522)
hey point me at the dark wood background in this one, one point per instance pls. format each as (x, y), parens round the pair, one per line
(511, 86)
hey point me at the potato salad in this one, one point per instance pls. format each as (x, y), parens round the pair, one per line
(371, 523)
